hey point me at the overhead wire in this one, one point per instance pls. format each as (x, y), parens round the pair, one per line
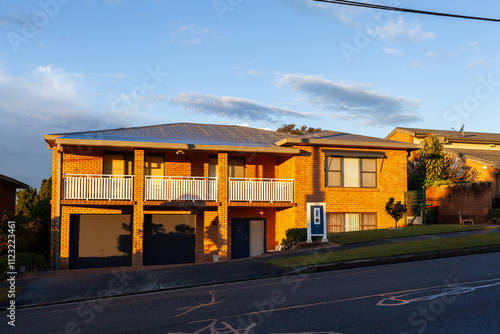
(406, 10)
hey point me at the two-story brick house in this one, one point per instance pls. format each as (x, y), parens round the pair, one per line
(187, 192)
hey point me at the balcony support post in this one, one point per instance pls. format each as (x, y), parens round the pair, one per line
(138, 217)
(223, 220)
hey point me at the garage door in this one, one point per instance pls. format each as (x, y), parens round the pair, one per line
(98, 241)
(169, 239)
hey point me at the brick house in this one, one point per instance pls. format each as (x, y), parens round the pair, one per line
(8, 187)
(480, 149)
(185, 192)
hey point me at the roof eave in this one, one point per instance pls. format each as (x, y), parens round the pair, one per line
(348, 143)
(13, 182)
(475, 159)
(175, 146)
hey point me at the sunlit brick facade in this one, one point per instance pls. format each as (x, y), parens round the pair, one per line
(301, 165)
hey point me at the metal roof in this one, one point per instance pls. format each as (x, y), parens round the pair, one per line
(186, 133)
(217, 137)
(334, 135)
(452, 135)
(487, 157)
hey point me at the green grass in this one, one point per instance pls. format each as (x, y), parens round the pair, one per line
(4, 294)
(409, 231)
(392, 249)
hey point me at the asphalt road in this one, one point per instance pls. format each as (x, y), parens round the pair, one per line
(452, 295)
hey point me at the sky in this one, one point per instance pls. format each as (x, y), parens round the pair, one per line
(80, 65)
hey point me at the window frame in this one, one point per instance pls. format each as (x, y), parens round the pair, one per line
(361, 171)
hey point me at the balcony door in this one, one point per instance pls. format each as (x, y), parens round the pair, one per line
(118, 164)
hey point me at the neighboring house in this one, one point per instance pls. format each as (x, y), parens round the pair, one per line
(481, 150)
(185, 192)
(8, 187)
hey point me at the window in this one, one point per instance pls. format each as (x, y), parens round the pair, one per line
(154, 165)
(236, 167)
(213, 167)
(350, 172)
(118, 164)
(346, 222)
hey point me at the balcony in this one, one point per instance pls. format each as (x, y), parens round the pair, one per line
(180, 188)
(98, 187)
(260, 190)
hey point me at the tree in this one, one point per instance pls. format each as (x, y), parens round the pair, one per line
(291, 129)
(433, 167)
(26, 231)
(45, 189)
(395, 209)
(26, 200)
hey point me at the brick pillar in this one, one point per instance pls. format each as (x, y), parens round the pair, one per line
(53, 210)
(222, 209)
(138, 217)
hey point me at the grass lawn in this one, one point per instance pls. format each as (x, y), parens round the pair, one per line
(392, 249)
(409, 231)
(4, 294)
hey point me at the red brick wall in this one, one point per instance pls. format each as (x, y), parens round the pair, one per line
(310, 187)
(7, 198)
(213, 224)
(473, 200)
(485, 174)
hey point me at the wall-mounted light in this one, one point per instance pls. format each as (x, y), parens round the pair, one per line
(179, 152)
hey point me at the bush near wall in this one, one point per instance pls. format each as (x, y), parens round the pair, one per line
(296, 234)
(494, 216)
(30, 261)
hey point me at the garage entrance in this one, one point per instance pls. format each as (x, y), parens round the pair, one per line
(98, 241)
(169, 239)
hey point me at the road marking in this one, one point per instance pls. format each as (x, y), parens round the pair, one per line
(200, 305)
(465, 289)
(397, 299)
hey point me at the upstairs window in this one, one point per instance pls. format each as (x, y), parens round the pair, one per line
(350, 172)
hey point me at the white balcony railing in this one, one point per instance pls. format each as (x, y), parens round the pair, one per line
(181, 188)
(260, 190)
(98, 187)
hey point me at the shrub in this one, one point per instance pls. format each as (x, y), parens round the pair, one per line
(296, 234)
(30, 261)
(494, 216)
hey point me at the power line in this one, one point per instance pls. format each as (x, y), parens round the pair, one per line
(406, 10)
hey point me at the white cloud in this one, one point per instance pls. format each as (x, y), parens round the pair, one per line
(477, 63)
(115, 75)
(350, 101)
(392, 52)
(151, 98)
(401, 29)
(50, 100)
(193, 35)
(432, 54)
(414, 64)
(234, 108)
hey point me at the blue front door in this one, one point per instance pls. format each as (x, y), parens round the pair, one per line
(317, 223)
(240, 238)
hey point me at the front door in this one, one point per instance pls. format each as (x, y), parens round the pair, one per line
(240, 238)
(247, 237)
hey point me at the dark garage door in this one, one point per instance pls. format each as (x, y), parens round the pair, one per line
(169, 239)
(98, 241)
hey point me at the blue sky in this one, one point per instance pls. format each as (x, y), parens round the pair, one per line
(77, 65)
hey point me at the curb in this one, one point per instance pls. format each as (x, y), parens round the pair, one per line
(393, 260)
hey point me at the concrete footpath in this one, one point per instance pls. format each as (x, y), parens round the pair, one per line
(55, 287)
